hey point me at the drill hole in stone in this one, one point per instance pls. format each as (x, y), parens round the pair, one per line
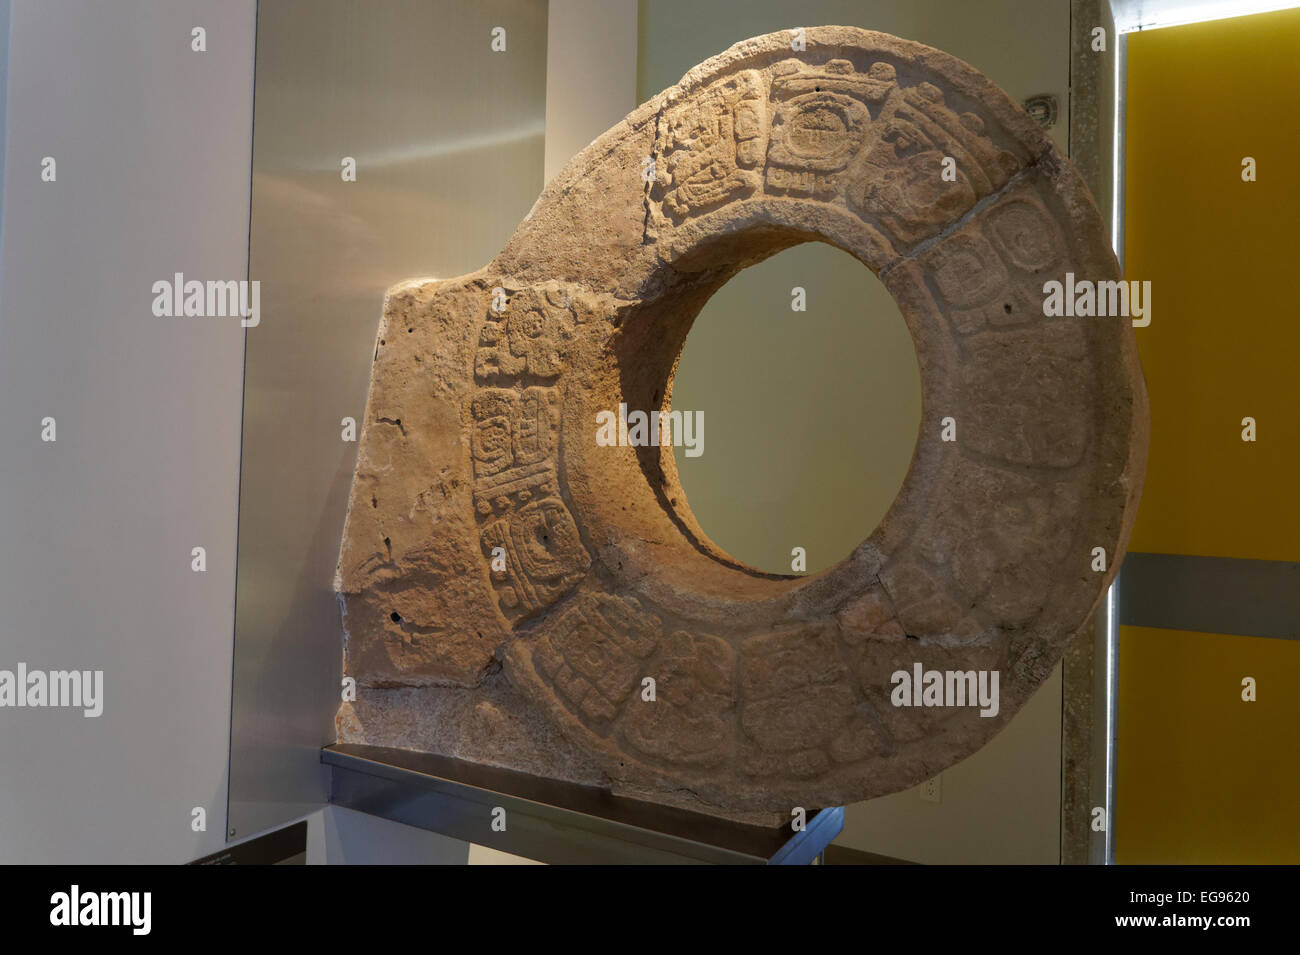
(811, 417)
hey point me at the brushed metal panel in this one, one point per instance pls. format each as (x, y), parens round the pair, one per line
(448, 137)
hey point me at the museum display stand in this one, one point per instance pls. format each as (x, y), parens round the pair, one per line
(556, 822)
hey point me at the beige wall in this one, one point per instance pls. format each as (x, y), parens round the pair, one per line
(590, 80)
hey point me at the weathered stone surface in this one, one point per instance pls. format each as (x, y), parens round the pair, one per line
(769, 692)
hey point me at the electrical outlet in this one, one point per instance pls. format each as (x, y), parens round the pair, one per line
(931, 791)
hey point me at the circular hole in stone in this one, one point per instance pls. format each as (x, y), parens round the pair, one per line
(810, 417)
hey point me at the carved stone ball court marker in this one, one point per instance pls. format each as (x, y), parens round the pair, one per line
(509, 585)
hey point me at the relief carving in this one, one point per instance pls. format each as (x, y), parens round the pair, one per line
(991, 272)
(527, 339)
(689, 721)
(795, 692)
(712, 145)
(819, 119)
(529, 538)
(590, 656)
(903, 185)
(836, 134)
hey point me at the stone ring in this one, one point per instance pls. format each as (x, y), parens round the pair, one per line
(516, 593)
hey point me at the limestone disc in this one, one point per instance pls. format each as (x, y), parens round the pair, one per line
(532, 579)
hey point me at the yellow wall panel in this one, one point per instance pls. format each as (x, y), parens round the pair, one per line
(1223, 259)
(1201, 776)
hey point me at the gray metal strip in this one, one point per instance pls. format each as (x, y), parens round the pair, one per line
(553, 821)
(1253, 598)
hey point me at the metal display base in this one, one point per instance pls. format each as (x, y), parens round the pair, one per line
(553, 821)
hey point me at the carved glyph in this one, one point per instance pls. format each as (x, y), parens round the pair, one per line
(527, 530)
